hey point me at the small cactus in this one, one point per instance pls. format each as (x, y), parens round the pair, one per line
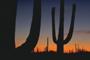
(46, 48)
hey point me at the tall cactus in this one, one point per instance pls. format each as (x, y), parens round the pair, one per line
(60, 40)
(7, 21)
(33, 37)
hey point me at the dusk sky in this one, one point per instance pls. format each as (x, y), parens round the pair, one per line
(82, 23)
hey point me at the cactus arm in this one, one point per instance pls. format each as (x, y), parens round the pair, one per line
(53, 25)
(61, 25)
(33, 37)
(69, 36)
(36, 24)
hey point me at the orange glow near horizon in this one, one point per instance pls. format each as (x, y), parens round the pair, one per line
(52, 47)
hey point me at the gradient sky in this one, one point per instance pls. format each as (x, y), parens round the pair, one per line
(82, 23)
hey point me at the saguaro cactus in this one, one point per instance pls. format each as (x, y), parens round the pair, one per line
(60, 40)
(7, 25)
(33, 37)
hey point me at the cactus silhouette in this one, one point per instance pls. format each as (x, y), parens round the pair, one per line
(33, 37)
(47, 44)
(7, 21)
(60, 41)
(46, 48)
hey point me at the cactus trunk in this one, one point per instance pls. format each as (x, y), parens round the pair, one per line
(61, 29)
(60, 41)
(33, 37)
(7, 28)
(7, 21)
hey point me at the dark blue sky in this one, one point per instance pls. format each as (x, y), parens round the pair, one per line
(82, 21)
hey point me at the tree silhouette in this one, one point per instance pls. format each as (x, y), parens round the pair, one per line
(33, 37)
(60, 41)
